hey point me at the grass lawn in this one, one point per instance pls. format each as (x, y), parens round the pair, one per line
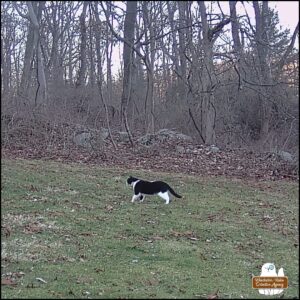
(74, 228)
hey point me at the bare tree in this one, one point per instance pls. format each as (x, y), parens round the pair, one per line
(149, 25)
(129, 24)
(35, 14)
(100, 78)
(83, 46)
(28, 56)
(7, 33)
(209, 79)
(181, 68)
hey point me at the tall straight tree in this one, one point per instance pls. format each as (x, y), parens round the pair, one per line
(150, 55)
(237, 45)
(83, 46)
(129, 24)
(28, 57)
(6, 49)
(109, 50)
(35, 17)
(33, 44)
(262, 46)
(209, 81)
(58, 22)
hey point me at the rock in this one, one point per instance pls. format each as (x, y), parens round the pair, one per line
(87, 138)
(286, 156)
(147, 139)
(171, 134)
(83, 139)
(184, 137)
(180, 149)
(123, 135)
(214, 149)
(161, 136)
(104, 133)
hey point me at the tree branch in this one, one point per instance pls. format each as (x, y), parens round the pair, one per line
(26, 16)
(283, 59)
(143, 57)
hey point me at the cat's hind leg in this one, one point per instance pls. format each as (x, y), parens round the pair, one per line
(165, 196)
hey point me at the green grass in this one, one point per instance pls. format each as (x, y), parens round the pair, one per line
(75, 227)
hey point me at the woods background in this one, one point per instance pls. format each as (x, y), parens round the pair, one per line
(227, 80)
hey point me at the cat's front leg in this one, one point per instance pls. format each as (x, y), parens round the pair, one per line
(133, 198)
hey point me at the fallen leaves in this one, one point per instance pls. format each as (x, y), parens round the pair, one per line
(157, 238)
(88, 233)
(56, 213)
(33, 188)
(11, 277)
(98, 270)
(121, 237)
(188, 234)
(109, 208)
(84, 280)
(151, 282)
(214, 295)
(33, 228)
(195, 159)
(6, 230)
(154, 238)
(9, 282)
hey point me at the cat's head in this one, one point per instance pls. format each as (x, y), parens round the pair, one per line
(131, 180)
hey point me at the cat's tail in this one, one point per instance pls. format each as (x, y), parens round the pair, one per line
(173, 193)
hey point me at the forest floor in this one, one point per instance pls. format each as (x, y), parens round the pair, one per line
(69, 230)
(192, 159)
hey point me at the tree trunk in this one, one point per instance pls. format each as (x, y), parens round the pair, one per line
(208, 81)
(237, 45)
(109, 51)
(100, 78)
(150, 55)
(92, 61)
(35, 16)
(262, 43)
(83, 46)
(28, 57)
(70, 68)
(183, 45)
(171, 12)
(235, 28)
(6, 65)
(182, 38)
(130, 19)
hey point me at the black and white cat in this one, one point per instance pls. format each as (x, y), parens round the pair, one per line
(142, 188)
